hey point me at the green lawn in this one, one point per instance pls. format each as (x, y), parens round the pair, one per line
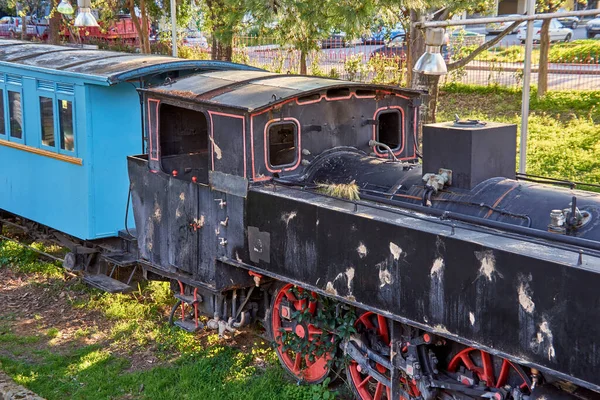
(564, 130)
(119, 346)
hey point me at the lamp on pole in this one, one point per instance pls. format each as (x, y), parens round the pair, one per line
(174, 27)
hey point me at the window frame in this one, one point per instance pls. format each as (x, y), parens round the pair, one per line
(56, 97)
(59, 97)
(297, 143)
(42, 145)
(401, 131)
(5, 135)
(12, 87)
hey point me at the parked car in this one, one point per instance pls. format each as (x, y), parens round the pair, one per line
(494, 28)
(569, 22)
(381, 35)
(593, 27)
(396, 48)
(195, 39)
(392, 49)
(12, 26)
(558, 32)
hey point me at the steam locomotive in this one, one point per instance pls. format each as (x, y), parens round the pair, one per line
(301, 202)
(273, 197)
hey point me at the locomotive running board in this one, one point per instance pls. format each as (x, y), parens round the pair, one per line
(107, 283)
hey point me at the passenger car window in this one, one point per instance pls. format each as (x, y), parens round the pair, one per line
(47, 121)
(15, 112)
(2, 124)
(65, 119)
(283, 142)
(389, 129)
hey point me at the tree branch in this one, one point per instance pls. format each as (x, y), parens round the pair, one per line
(464, 61)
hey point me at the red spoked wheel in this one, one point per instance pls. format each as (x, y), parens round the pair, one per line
(363, 385)
(308, 368)
(495, 371)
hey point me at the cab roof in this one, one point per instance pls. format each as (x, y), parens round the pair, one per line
(253, 90)
(103, 67)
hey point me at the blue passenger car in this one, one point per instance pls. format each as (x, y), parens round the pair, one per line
(68, 119)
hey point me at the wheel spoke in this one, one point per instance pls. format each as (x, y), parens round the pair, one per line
(488, 369)
(313, 330)
(366, 322)
(503, 377)
(378, 391)
(467, 361)
(297, 362)
(382, 329)
(364, 382)
(290, 296)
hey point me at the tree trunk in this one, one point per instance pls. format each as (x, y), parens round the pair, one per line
(415, 46)
(303, 70)
(136, 23)
(144, 36)
(24, 26)
(54, 24)
(221, 50)
(543, 66)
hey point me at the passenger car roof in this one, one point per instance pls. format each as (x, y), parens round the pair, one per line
(253, 90)
(104, 67)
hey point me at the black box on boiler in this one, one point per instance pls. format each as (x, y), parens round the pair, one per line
(474, 153)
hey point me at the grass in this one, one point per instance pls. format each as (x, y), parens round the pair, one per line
(348, 191)
(578, 51)
(564, 138)
(132, 340)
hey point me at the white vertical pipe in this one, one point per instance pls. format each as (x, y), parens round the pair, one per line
(526, 84)
(174, 27)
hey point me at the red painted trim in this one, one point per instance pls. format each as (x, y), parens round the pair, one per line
(299, 143)
(295, 99)
(415, 131)
(339, 98)
(401, 149)
(212, 135)
(302, 103)
(153, 134)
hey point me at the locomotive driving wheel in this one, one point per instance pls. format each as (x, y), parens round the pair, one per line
(375, 328)
(473, 367)
(290, 321)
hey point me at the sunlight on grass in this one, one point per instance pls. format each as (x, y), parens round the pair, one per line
(88, 360)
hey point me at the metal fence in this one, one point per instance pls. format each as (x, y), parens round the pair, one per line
(381, 63)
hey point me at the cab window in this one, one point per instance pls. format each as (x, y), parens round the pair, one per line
(282, 144)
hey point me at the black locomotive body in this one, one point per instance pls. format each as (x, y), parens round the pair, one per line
(496, 279)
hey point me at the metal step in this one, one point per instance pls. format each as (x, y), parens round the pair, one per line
(188, 325)
(120, 259)
(107, 283)
(188, 299)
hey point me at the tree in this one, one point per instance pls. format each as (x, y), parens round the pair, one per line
(545, 6)
(302, 23)
(223, 19)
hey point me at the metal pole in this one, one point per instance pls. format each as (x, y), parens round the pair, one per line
(174, 27)
(526, 84)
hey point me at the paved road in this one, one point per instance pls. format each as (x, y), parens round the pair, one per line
(509, 40)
